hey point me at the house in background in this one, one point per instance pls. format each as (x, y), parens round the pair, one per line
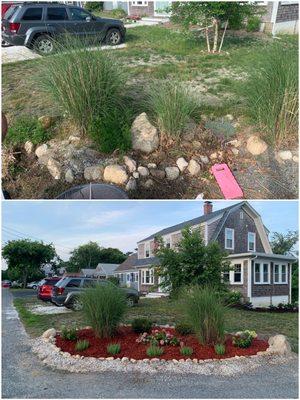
(102, 271)
(140, 8)
(262, 277)
(280, 17)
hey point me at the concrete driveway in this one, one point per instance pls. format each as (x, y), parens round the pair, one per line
(24, 376)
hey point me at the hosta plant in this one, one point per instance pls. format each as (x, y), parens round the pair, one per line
(243, 339)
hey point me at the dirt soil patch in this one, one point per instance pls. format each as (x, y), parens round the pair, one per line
(131, 349)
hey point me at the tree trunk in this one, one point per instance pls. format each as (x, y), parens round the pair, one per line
(207, 40)
(223, 36)
(216, 24)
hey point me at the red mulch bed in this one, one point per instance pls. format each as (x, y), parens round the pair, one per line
(131, 349)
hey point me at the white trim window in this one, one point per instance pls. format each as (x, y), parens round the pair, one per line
(168, 242)
(237, 274)
(139, 3)
(251, 241)
(229, 239)
(147, 277)
(280, 274)
(261, 273)
(147, 250)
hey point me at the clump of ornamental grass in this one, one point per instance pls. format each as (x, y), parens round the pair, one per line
(186, 351)
(114, 348)
(220, 349)
(69, 333)
(82, 345)
(154, 351)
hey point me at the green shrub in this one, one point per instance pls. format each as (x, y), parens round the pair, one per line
(104, 307)
(82, 345)
(253, 24)
(113, 348)
(220, 349)
(170, 105)
(24, 129)
(154, 351)
(186, 351)
(114, 280)
(141, 325)
(231, 298)
(89, 86)
(205, 312)
(94, 6)
(68, 333)
(271, 92)
(183, 328)
(244, 339)
(118, 13)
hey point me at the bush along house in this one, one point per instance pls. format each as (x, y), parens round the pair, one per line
(263, 278)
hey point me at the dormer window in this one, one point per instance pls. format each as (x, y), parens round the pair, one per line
(229, 239)
(251, 241)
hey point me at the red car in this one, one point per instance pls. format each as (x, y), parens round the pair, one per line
(45, 288)
(6, 284)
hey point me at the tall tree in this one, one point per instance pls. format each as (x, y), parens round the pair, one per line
(284, 243)
(25, 258)
(191, 263)
(111, 255)
(211, 15)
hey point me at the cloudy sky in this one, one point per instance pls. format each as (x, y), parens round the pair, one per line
(118, 224)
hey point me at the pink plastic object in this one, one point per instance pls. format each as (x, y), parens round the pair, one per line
(227, 182)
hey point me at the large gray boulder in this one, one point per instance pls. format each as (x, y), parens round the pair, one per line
(144, 135)
(115, 174)
(279, 345)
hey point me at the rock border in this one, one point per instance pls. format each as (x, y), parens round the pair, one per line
(52, 356)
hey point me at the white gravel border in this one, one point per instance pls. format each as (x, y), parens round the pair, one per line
(52, 356)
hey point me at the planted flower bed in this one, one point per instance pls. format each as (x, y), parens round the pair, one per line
(171, 345)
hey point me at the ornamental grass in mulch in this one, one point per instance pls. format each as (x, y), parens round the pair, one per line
(131, 349)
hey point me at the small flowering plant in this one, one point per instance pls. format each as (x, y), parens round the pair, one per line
(158, 337)
(244, 339)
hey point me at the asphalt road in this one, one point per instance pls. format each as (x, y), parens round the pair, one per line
(23, 293)
(24, 376)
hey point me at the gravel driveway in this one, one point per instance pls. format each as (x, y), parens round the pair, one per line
(23, 376)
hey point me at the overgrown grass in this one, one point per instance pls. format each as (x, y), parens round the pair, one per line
(24, 129)
(271, 92)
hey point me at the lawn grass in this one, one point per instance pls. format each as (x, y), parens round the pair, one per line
(166, 311)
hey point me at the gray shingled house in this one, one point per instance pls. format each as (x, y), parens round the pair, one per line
(262, 277)
(102, 271)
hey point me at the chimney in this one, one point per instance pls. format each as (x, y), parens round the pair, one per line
(207, 208)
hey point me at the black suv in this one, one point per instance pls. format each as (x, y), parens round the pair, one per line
(35, 25)
(67, 291)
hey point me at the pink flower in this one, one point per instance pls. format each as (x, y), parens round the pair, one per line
(181, 344)
(162, 342)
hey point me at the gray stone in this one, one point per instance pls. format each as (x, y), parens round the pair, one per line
(296, 159)
(93, 173)
(54, 168)
(285, 155)
(256, 146)
(131, 184)
(158, 173)
(28, 146)
(130, 164)
(148, 184)
(69, 177)
(204, 159)
(197, 145)
(143, 171)
(229, 117)
(172, 173)
(213, 156)
(144, 135)
(74, 139)
(152, 165)
(49, 333)
(182, 164)
(41, 150)
(194, 168)
(279, 345)
(115, 174)
(235, 151)
(136, 175)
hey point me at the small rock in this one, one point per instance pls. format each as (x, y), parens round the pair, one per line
(144, 135)
(152, 165)
(285, 155)
(54, 168)
(188, 136)
(182, 164)
(28, 146)
(74, 139)
(136, 175)
(130, 164)
(213, 156)
(148, 184)
(146, 360)
(235, 151)
(109, 358)
(76, 165)
(124, 359)
(197, 145)
(46, 121)
(143, 171)
(69, 177)
(204, 159)
(190, 126)
(235, 143)
(41, 150)
(229, 117)
(175, 361)
(200, 196)
(49, 333)
(93, 173)
(131, 184)
(115, 174)
(172, 173)
(158, 173)
(182, 360)
(154, 360)
(295, 159)
(279, 345)
(133, 360)
(194, 168)
(256, 146)
(195, 360)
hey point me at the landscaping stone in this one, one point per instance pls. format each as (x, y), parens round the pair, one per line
(296, 159)
(235, 151)
(182, 164)
(136, 175)
(152, 165)
(131, 184)
(193, 167)
(197, 145)
(148, 184)
(49, 333)
(285, 155)
(69, 177)
(172, 173)
(204, 159)
(28, 146)
(158, 173)
(143, 171)
(74, 139)
(54, 168)
(46, 121)
(229, 117)
(115, 174)
(130, 164)
(256, 146)
(144, 135)
(213, 156)
(279, 345)
(41, 150)
(93, 173)
(200, 196)
(235, 143)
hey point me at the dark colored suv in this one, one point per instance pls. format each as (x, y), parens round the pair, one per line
(35, 25)
(67, 292)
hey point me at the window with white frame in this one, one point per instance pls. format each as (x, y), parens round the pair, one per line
(147, 250)
(168, 242)
(128, 277)
(251, 241)
(225, 276)
(147, 276)
(140, 3)
(237, 273)
(229, 238)
(261, 273)
(280, 273)
(136, 277)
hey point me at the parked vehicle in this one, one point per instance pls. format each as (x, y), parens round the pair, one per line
(37, 25)
(16, 284)
(45, 288)
(67, 292)
(6, 284)
(32, 285)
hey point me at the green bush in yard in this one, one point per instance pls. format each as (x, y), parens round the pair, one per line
(205, 312)
(141, 325)
(68, 333)
(26, 129)
(183, 328)
(253, 23)
(104, 306)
